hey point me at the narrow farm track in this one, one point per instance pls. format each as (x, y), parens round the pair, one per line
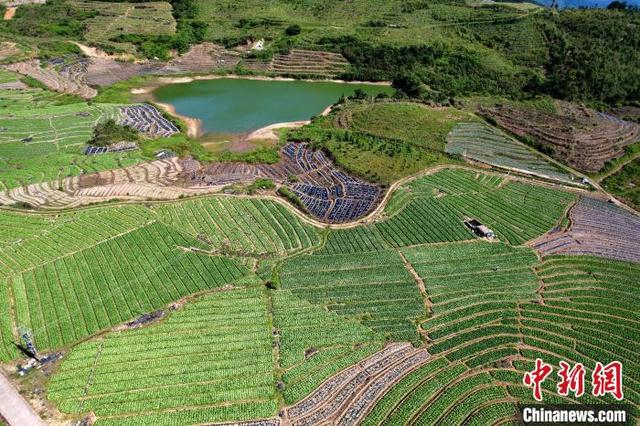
(419, 282)
(14, 408)
(618, 167)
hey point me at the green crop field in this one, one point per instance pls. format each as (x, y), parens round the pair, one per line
(414, 124)
(240, 226)
(315, 343)
(360, 239)
(517, 212)
(7, 77)
(45, 144)
(181, 293)
(455, 273)
(116, 18)
(210, 361)
(31, 98)
(74, 297)
(29, 240)
(482, 347)
(49, 255)
(373, 287)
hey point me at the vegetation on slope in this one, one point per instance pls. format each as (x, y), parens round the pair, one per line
(42, 141)
(433, 51)
(109, 132)
(229, 359)
(383, 141)
(484, 344)
(625, 183)
(515, 211)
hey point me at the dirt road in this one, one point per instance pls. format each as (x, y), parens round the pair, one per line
(14, 409)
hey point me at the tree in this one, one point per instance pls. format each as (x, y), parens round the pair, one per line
(293, 30)
(617, 5)
(408, 83)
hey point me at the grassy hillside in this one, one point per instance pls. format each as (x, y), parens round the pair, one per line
(383, 141)
(625, 183)
(433, 50)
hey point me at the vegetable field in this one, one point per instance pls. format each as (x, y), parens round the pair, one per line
(315, 344)
(77, 295)
(45, 144)
(29, 240)
(360, 239)
(483, 347)
(207, 362)
(242, 226)
(433, 208)
(373, 287)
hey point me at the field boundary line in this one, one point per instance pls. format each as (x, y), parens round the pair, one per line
(68, 254)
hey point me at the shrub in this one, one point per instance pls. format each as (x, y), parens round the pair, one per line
(293, 30)
(261, 183)
(110, 132)
(291, 197)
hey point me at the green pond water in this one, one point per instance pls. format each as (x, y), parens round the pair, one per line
(241, 105)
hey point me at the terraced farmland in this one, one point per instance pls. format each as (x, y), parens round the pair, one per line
(29, 240)
(29, 98)
(210, 361)
(374, 288)
(52, 79)
(323, 275)
(581, 137)
(482, 348)
(74, 296)
(347, 396)
(354, 240)
(116, 18)
(7, 350)
(45, 144)
(433, 208)
(324, 190)
(241, 226)
(462, 274)
(486, 144)
(315, 343)
(586, 297)
(9, 80)
(309, 63)
(597, 228)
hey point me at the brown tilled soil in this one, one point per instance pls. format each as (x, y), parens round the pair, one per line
(628, 113)
(206, 57)
(70, 82)
(597, 228)
(583, 138)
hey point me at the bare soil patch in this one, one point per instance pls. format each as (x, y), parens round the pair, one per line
(583, 138)
(9, 13)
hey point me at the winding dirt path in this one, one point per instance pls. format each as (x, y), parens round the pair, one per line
(13, 407)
